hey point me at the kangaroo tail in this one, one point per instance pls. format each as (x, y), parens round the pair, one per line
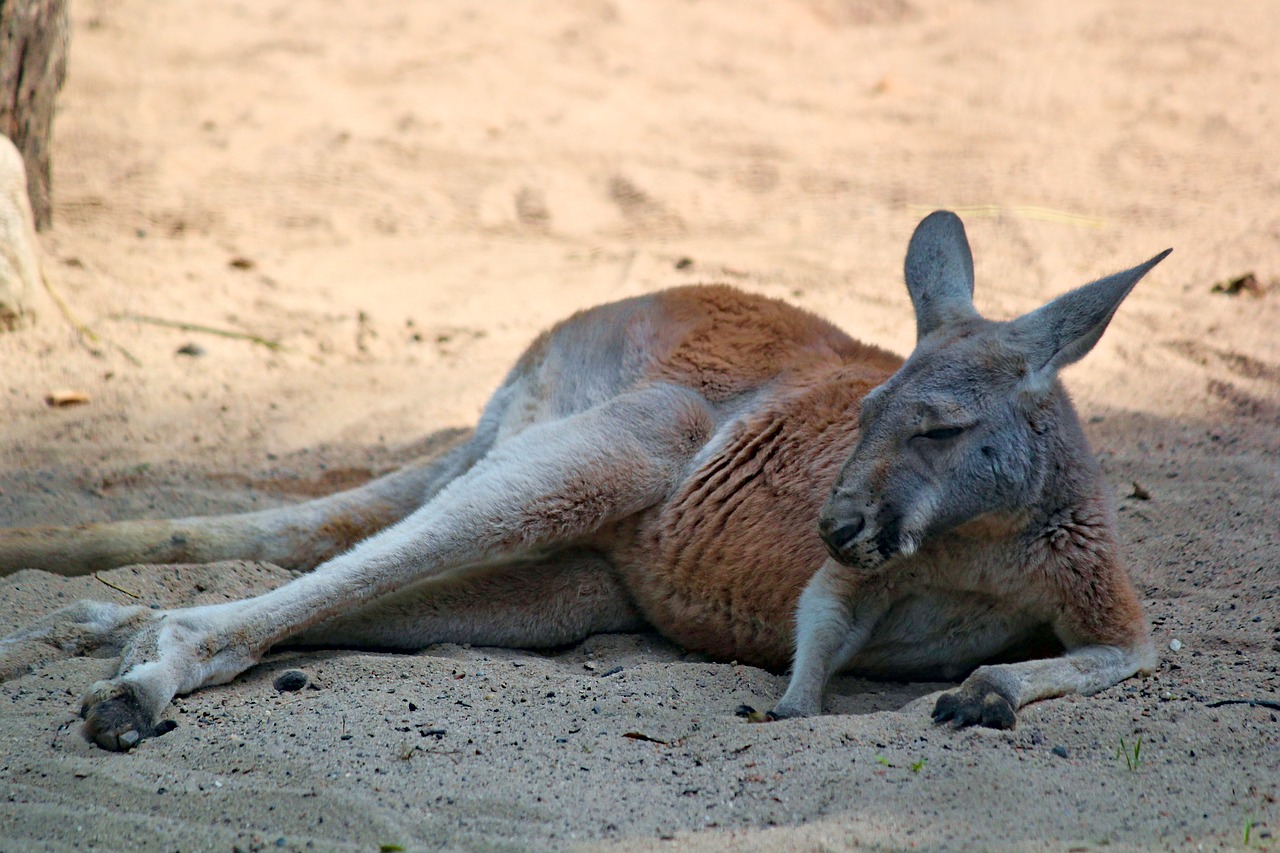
(300, 536)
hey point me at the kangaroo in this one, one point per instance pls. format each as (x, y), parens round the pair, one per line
(732, 471)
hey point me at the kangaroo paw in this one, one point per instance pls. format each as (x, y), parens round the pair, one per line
(968, 706)
(116, 719)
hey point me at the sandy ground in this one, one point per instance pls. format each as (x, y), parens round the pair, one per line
(403, 194)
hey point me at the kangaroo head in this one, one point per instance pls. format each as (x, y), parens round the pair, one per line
(972, 423)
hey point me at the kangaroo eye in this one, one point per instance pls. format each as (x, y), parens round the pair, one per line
(942, 433)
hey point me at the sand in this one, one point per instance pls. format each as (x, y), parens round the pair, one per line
(402, 195)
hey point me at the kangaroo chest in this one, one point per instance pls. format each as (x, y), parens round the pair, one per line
(720, 565)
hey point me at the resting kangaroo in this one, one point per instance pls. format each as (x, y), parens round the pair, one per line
(734, 472)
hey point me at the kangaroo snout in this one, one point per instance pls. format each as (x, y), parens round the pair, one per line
(838, 533)
(844, 528)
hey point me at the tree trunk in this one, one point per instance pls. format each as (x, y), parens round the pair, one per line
(33, 63)
(19, 260)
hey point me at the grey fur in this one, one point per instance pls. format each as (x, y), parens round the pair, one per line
(939, 272)
(1066, 329)
(994, 381)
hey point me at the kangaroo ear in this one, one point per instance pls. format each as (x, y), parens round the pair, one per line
(1066, 329)
(939, 272)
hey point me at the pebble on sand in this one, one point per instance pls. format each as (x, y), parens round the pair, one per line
(290, 680)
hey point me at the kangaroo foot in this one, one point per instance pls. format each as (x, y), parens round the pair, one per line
(975, 704)
(116, 719)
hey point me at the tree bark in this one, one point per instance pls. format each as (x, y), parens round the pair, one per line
(34, 35)
(19, 258)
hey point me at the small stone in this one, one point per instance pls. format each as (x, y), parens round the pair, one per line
(130, 739)
(66, 397)
(1244, 283)
(1060, 751)
(1175, 645)
(194, 350)
(290, 680)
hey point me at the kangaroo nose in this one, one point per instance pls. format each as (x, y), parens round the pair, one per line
(838, 538)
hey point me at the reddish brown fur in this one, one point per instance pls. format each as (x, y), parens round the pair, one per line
(719, 567)
(340, 531)
(1080, 561)
(722, 342)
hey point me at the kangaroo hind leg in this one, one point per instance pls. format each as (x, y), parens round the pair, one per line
(550, 487)
(540, 603)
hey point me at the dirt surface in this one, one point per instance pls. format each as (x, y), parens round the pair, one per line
(402, 195)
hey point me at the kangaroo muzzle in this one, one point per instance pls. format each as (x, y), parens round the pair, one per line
(839, 535)
(855, 532)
